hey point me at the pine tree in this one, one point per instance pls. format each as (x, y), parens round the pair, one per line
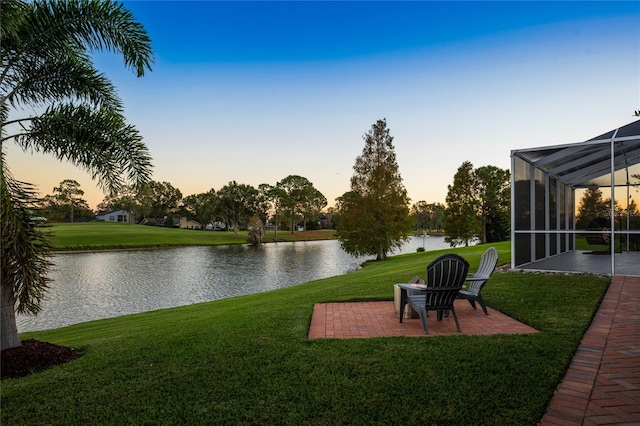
(374, 215)
(463, 222)
(494, 194)
(591, 206)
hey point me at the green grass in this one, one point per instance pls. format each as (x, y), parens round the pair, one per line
(582, 244)
(246, 360)
(103, 235)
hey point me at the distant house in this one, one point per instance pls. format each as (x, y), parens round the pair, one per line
(216, 226)
(189, 224)
(117, 216)
(270, 226)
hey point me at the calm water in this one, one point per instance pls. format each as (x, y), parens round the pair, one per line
(90, 286)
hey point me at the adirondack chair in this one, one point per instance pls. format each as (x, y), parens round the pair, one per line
(445, 276)
(603, 226)
(476, 281)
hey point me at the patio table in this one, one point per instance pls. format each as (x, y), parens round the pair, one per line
(404, 291)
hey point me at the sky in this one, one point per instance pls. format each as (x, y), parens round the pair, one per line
(257, 91)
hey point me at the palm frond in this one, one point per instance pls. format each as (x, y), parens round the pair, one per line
(72, 77)
(45, 45)
(24, 247)
(12, 14)
(96, 25)
(98, 140)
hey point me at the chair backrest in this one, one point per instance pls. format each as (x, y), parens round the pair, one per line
(603, 225)
(416, 280)
(445, 277)
(488, 263)
(448, 270)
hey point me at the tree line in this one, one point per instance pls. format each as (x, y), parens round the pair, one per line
(292, 201)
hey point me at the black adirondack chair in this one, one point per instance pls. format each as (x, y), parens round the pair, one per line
(445, 277)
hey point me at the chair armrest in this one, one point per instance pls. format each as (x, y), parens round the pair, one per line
(412, 286)
(439, 289)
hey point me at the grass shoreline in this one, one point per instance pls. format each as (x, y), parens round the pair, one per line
(100, 236)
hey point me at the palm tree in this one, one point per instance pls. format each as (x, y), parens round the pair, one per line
(46, 68)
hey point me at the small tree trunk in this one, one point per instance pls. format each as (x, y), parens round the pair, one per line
(276, 230)
(9, 337)
(484, 230)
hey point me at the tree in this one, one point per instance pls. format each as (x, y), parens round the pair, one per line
(333, 217)
(374, 214)
(159, 200)
(25, 252)
(236, 204)
(420, 214)
(70, 195)
(494, 193)
(312, 207)
(427, 216)
(263, 201)
(439, 212)
(65, 202)
(270, 201)
(76, 115)
(591, 206)
(462, 222)
(48, 207)
(478, 205)
(303, 199)
(201, 207)
(255, 230)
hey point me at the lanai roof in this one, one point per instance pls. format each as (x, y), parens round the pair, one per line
(588, 163)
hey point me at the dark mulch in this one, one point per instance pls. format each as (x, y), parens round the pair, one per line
(34, 356)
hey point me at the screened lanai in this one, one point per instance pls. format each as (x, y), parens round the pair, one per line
(546, 186)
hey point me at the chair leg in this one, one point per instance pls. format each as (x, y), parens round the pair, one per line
(481, 302)
(423, 317)
(472, 303)
(456, 318)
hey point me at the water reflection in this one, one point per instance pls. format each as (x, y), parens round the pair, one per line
(89, 286)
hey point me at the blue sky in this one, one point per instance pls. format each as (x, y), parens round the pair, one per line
(256, 91)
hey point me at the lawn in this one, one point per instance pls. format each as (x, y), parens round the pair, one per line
(104, 235)
(246, 360)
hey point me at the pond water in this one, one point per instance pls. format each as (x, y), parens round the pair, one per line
(97, 285)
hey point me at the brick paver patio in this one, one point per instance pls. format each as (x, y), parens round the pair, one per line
(377, 319)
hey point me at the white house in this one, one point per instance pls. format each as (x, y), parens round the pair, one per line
(189, 224)
(117, 216)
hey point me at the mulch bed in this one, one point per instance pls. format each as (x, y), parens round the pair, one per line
(34, 356)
